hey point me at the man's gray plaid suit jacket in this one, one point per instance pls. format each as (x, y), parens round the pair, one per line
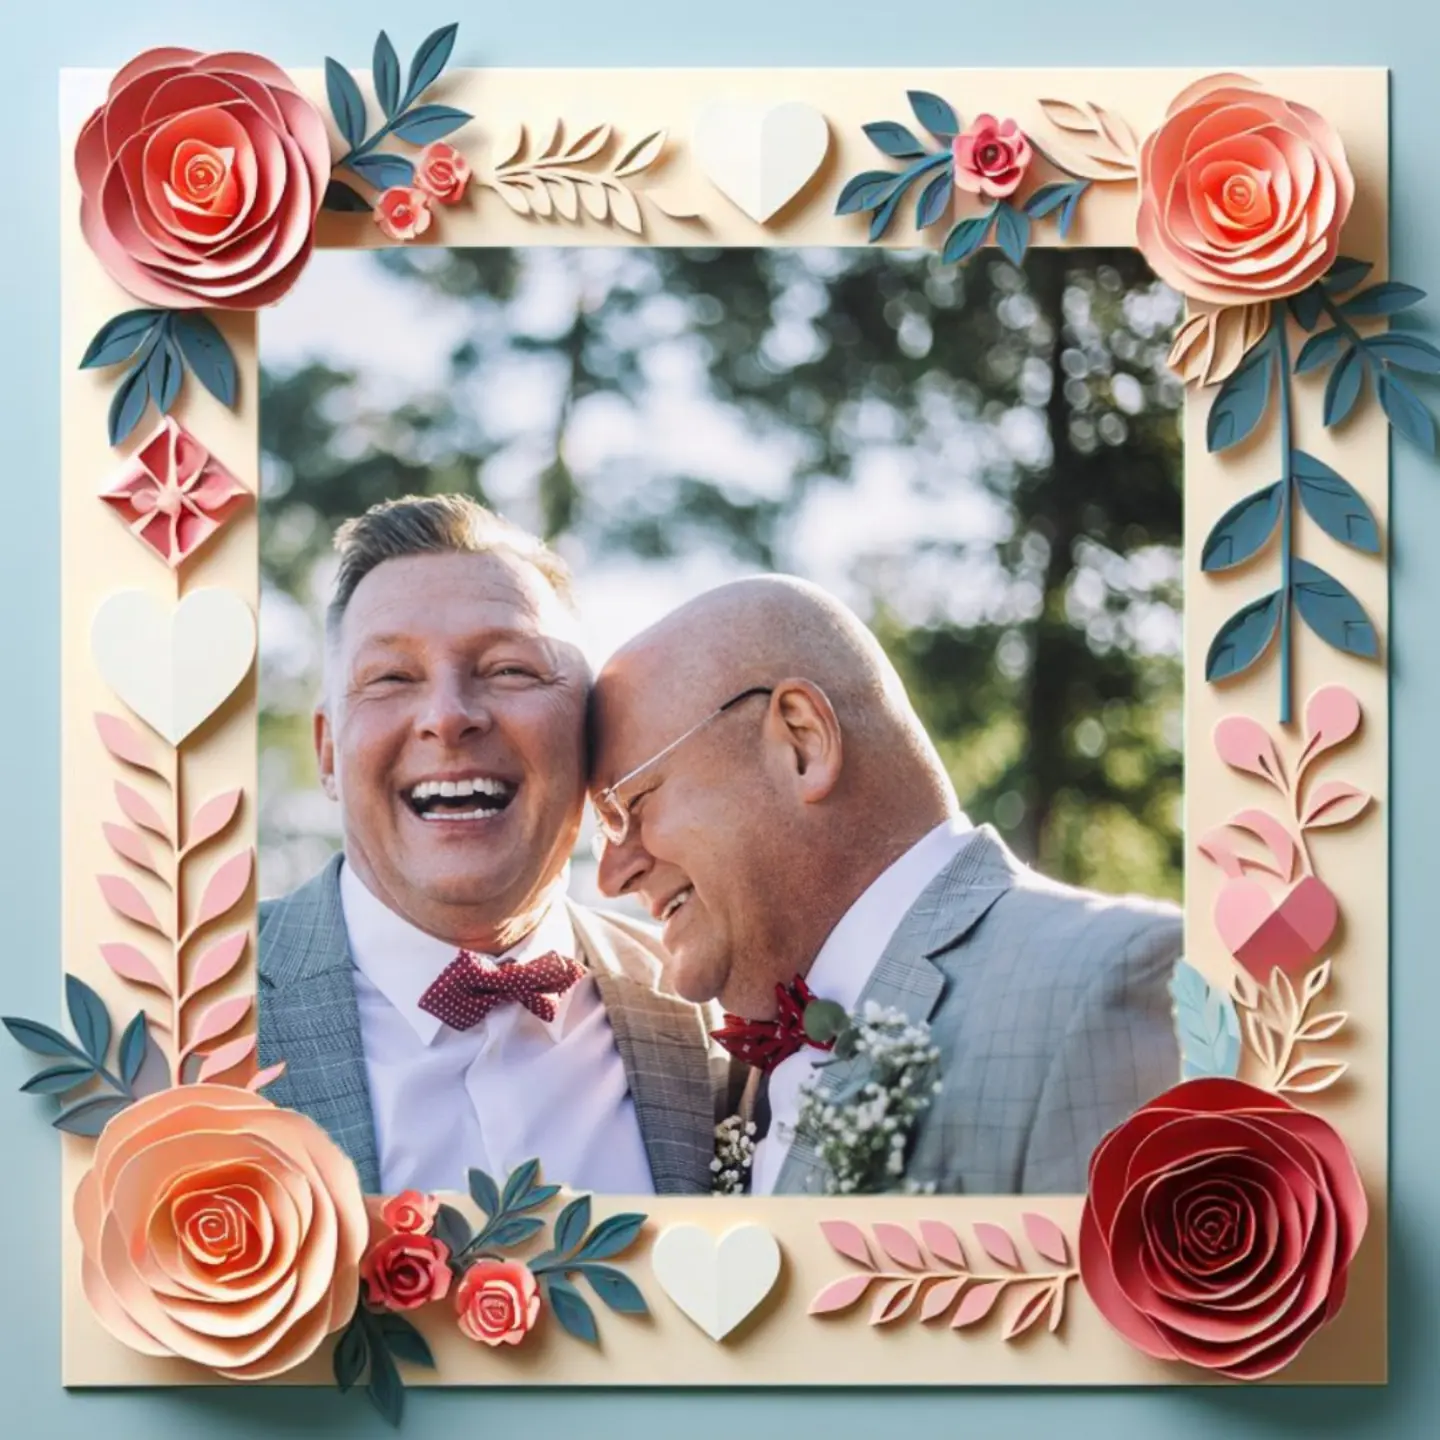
(1051, 1010)
(309, 1019)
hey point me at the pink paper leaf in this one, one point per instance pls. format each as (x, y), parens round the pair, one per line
(222, 1017)
(1057, 1308)
(126, 900)
(893, 1301)
(849, 1240)
(227, 886)
(998, 1244)
(133, 965)
(1332, 716)
(1244, 744)
(139, 811)
(217, 962)
(1336, 802)
(978, 1302)
(130, 845)
(226, 1058)
(944, 1243)
(1030, 1311)
(268, 1076)
(211, 818)
(1218, 850)
(1047, 1237)
(840, 1294)
(126, 744)
(899, 1244)
(1312, 1077)
(939, 1298)
(1273, 835)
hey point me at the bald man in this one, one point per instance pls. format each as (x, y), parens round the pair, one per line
(766, 789)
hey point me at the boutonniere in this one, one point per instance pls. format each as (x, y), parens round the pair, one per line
(734, 1155)
(861, 1130)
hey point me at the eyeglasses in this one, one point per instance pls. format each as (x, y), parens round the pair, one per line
(611, 812)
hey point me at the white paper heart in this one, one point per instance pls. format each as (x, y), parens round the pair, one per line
(760, 156)
(717, 1283)
(174, 666)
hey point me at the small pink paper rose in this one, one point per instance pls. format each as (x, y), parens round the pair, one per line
(498, 1302)
(410, 1212)
(405, 1271)
(442, 172)
(403, 212)
(991, 157)
(173, 494)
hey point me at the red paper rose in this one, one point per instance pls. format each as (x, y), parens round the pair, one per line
(991, 157)
(498, 1302)
(1219, 1227)
(410, 1211)
(403, 212)
(442, 172)
(200, 179)
(405, 1271)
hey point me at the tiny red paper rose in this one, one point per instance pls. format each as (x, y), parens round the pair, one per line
(442, 172)
(405, 1271)
(498, 1302)
(991, 157)
(410, 1212)
(1219, 1227)
(403, 212)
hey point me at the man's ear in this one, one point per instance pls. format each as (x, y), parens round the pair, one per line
(803, 721)
(324, 736)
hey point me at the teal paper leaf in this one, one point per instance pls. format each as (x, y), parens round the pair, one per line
(452, 1229)
(515, 1231)
(893, 139)
(522, 1180)
(208, 355)
(40, 1039)
(1332, 612)
(616, 1289)
(1063, 196)
(1012, 232)
(1387, 298)
(1243, 529)
(1405, 351)
(934, 199)
(966, 238)
(575, 1316)
(1345, 274)
(1207, 1025)
(90, 1018)
(1342, 389)
(571, 1224)
(430, 59)
(385, 1387)
(385, 71)
(484, 1192)
(1406, 411)
(1308, 306)
(1067, 213)
(405, 1341)
(120, 338)
(1320, 350)
(868, 191)
(1334, 504)
(128, 403)
(344, 198)
(57, 1079)
(132, 1048)
(880, 220)
(427, 123)
(1242, 401)
(383, 171)
(536, 1196)
(1243, 638)
(164, 371)
(935, 114)
(89, 1117)
(347, 104)
(610, 1237)
(352, 1351)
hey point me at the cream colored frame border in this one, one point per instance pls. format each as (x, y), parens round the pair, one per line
(780, 1344)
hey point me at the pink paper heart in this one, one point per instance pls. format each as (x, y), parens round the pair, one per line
(1263, 935)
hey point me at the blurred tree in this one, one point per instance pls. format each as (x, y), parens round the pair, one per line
(1039, 636)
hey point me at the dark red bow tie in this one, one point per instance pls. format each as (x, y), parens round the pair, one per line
(765, 1043)
(465, 991)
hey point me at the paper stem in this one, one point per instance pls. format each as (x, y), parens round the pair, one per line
(178, 902)
(1287, 521)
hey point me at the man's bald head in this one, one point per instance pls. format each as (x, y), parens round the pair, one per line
(773, 818)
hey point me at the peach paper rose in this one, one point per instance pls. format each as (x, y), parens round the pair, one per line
(498, 1302)
(1242, 194)
(442, 172)
(403, 212)
(991, 157)
(218, 1228)
(405, 1271)
(410, 1211)
(200, 179)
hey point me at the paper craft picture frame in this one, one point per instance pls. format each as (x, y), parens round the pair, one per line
(1283, 1001)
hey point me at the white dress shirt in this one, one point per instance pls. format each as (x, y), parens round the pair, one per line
(841, 972)
(509, 1089)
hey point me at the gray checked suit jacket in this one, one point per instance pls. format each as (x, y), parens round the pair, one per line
(1051, 1011)
(308, 1017)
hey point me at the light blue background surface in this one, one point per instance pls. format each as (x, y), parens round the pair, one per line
(40, 37)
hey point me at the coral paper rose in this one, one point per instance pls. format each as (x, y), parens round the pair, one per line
(498, 1302)
(405, 1271)
(200, 179)
(403, 212)
(1242, 194)
(1219, 1227)
(218, 1228)
(442, 172)
(410, 1211)
(991, 157)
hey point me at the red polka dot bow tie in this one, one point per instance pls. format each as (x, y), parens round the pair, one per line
(765, 1043)
(466, 991)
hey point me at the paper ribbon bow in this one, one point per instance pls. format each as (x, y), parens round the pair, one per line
(465, 991)
(765, 1043)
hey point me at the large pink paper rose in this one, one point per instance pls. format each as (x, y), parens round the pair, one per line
(221, 1229)
(200, 179)
(1219, 1227)
(1242, 194)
